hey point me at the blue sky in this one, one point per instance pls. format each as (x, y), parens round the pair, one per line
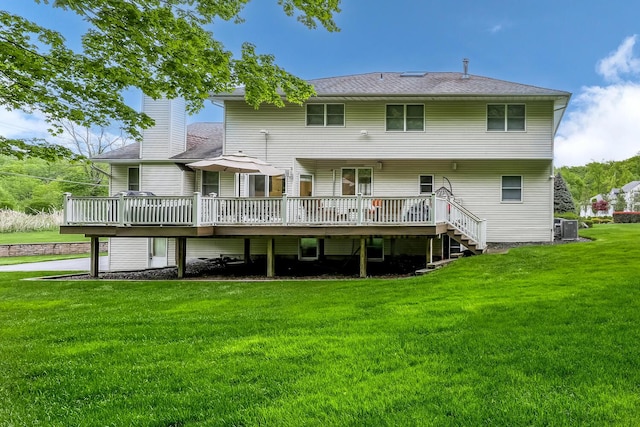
(590, 48)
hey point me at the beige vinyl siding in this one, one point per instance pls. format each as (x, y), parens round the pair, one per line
(476, 183)
(454, 129)
(479, 184)
(163, 180)
(119, 178)
(214, 248)
(189, 183)
(167, 137)
(128, 254)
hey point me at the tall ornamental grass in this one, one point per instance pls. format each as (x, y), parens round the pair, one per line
(13, 221)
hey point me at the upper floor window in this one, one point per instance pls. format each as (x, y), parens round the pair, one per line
(505, 117)
(512, 188)
(405, 118)
(133, 179)
(325, 114)
(210, 182)
(426, 184)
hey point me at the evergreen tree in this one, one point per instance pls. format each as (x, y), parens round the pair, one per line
(562, 200)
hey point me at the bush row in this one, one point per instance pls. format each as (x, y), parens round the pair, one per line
(626, 217)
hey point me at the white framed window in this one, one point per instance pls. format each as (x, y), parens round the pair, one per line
(511, 188)
(266, 186)
(506, 117)
(133, 178)
(426, 184)
(375, 249)
(306, 185)
(357, 181)
(325, 114)
(308, 249)
(210, 182)
(405, 117)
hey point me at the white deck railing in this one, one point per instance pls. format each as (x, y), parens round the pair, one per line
(198, 210)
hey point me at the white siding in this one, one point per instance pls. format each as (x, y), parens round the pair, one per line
(453, 130)
(119, 178)
(476, 183)
(168, 136)
(214, 248)
(163, 180)
(128, 254)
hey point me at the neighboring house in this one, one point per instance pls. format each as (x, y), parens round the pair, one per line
(630, 192)
(375, 166)
(632, 196)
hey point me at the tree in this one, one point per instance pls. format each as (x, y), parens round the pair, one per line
(34, 148)
(161, 47)
(620, 204)
(562, 199)
(90, 142)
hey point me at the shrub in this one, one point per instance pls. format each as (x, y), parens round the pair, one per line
(626, 217)
(562, 199)
(587, 222)
(566, 215)
(600, 206)
(602, 220)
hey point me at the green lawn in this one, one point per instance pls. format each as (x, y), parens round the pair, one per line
(14, 260)
(49, 236)
(542, 335)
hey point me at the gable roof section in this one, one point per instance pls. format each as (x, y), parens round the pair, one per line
(204, 139)
(417, 84)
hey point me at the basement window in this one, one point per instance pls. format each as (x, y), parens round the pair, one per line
(308, 249)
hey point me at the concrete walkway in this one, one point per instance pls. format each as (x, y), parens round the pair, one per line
(76, 264)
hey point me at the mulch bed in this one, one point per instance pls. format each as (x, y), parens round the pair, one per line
(230, 269)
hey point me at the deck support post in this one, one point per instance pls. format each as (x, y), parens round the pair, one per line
(271, 258)
(429, 250)
(95, 257)
(321, 256)
(181, 256)
(247, 251)
(363, 257)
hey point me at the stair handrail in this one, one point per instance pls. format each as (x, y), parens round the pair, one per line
(465, 221)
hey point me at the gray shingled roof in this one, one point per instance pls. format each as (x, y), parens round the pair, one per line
(419, 84)
(204, 140)
(630, 186)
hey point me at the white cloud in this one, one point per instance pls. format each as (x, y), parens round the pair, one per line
(17, 124)
(620, 61)
(605, 121)
(496, 28)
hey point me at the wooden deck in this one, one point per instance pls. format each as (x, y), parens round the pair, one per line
(185, 217)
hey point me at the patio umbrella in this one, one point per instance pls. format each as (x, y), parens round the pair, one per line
(236, 163)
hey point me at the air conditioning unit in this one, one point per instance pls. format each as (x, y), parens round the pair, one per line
(569, 229)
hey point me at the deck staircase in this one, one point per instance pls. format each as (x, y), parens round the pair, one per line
(461, 238)
(466, 228)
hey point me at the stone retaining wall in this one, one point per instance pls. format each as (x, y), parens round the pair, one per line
(25, 249)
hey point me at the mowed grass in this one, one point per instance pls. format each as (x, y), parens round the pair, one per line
(46, 236)
(542, 335)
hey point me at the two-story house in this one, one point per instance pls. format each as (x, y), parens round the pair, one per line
(374, 166)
